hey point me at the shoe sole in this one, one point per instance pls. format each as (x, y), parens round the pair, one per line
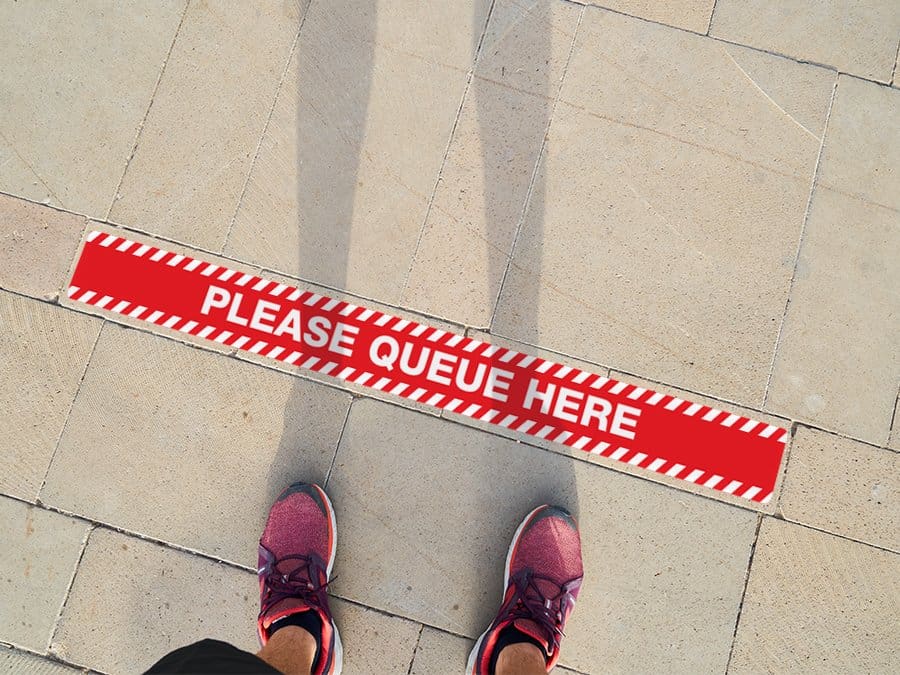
(338, 662)
(473, 655)
(333, 551)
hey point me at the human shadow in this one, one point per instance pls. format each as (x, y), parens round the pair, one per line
(514, 103)
(334, 63)
(333, 91)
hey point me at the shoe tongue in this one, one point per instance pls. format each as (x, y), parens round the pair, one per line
(282, 609)
(547, 588)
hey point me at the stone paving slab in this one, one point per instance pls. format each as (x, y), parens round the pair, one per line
(837, 363)
(332, 162)
(692, 15)
(853, 160)
(818, 603)
(188, 446)
(14, 662)
(844, 487)
(37, 560)
(854, 37)
(44, 350)
(83, 76)
(133, 601)
(463, 250)
(374, 642)
(426, 509)
(630, 262)
(36, 245)
(439, 652)
(189, 167)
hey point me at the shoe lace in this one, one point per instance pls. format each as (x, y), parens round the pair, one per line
(528, 601)
(303, 581)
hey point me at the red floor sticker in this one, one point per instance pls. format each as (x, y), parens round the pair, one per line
(631, 424)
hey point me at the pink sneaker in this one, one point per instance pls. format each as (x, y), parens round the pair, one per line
(296, 554)
(542, 580)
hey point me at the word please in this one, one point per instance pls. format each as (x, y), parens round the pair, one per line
(269, 317)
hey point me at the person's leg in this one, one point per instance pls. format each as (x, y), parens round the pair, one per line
(542, 579)
(296, 554)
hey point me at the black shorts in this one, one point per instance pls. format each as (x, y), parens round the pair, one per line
(209, 657)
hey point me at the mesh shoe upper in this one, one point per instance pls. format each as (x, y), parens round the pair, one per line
(543, 578)
(296, 553)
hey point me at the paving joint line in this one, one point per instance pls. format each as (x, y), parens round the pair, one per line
(65, 424)
(781, 480)
(98, 220)
(803, 227)
(47, 205)
(711, 15)
(715, 38)
(169, 240)
(737, 620)
(896, 62)
(65, 601)
(470, 75)
(99, 525)
(412, 660)
(890, 433)
(207, 556)
(879, 547)
(140, 130)
(265, 129)
(337, 445)
(538, 162)
(49, 656)
(839, 434)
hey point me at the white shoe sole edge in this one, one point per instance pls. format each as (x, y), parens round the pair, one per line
(470, 665)
(338, 661)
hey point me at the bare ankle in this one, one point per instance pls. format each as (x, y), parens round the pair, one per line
(521, 658)
(291, 650)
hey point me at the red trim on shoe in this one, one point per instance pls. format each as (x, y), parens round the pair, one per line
(324, 662)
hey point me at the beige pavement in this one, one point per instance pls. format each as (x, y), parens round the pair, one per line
(699, 197)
